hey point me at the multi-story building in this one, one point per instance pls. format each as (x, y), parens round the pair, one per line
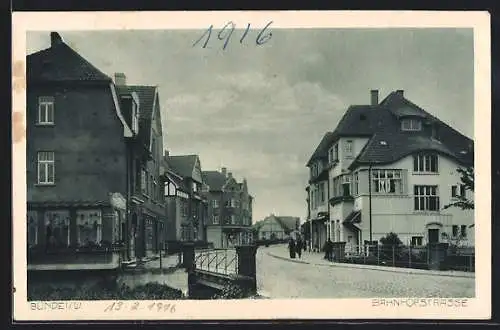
(229, 209)
(145, 197)
(186, 204)
(79, 137)
(389, 166)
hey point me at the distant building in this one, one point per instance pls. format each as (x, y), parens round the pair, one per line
(229, 209)
(277, 227)
(389, 166)
(87, 137)
(186, 204)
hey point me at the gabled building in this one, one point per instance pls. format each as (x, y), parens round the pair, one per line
(146, 231)
(187, 205)
(388, 166)
(277, 227)
(229, 209)
(84, 148)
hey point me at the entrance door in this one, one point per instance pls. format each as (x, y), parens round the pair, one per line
(433, 236)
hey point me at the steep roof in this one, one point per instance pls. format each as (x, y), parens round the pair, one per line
(61, 63)
(146, 96)
(387, 142)
(287, 222)
(183, 165)
(214, 179)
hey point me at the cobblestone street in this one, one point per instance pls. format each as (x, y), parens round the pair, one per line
(293, 278)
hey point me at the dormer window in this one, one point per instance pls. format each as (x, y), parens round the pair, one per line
(411, 124)
(135, 117)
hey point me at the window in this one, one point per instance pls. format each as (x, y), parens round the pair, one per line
(454, 231)
(356, 183)
(215, 219)
(411, 125)
(234, 202)
(336, 152)
(32, 218)
(46, 167)
(455, 191)
(184, 208)
(387, 181)
(144, 186)
(233, 219)
(416, 240)
(46, 110)
(346, 185)
(170, 189)
(463, 231)
(425, 163)
(215, 203)
(89, 227)
(348, 148)
(57, 228)
(195, 187)
(322, 192)
(135, 117)
(426, 198)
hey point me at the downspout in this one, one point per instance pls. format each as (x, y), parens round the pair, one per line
(370, 200)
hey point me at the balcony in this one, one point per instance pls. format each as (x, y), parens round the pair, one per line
(339, 199)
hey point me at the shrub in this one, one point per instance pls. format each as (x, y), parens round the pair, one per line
(230, 291)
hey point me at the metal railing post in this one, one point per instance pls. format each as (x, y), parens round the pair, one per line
(225, 263)
(393, 256)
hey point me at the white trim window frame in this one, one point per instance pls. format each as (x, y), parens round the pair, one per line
(215, 219)
(387, 181)
(348, 148)
(426, 198)
(46, 110)
(426, 163)
(411, 124)
(46, 168)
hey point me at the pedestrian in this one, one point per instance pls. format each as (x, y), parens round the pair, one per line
(291, 248)
(299, 246)
(328, 249)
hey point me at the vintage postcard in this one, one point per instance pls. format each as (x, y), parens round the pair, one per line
(251, 165)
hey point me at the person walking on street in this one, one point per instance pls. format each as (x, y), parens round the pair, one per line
(291, 248)
(299, 246)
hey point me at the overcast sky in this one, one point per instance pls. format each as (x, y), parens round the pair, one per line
(261, 110)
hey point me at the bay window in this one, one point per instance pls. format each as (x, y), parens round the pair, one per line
(89, 227)
(57, 228)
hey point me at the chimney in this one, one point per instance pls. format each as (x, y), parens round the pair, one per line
(55, 39)
(224, 171)
(400, 92)
(120, 79)
(374, 96)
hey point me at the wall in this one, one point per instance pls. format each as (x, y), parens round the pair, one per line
(214, 236)
(88, 142)
(396, 213)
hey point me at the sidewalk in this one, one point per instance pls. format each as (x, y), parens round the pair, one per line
(316, 258)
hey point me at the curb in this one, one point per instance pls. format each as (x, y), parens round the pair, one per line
(379, 268)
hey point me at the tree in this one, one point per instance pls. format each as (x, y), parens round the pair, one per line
(467, 179)
(391, 239)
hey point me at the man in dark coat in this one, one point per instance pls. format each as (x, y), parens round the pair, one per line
(291, 248)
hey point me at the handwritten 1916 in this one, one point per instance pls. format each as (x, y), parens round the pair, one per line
(134, 306)
(227, 31)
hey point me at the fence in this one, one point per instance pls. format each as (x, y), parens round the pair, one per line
(222, 261)
(419, 257)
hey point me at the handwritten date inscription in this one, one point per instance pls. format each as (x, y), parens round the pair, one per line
(134, 306)
(227, 31)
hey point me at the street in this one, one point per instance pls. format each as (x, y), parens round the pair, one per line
(278, 278)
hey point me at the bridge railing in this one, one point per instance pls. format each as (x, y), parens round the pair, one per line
(221, 261)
